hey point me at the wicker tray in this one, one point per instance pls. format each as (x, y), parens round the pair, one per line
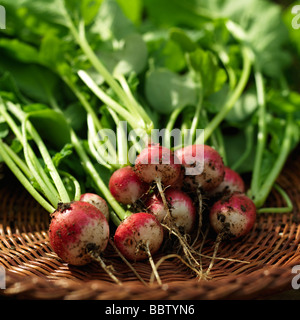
(33, 271)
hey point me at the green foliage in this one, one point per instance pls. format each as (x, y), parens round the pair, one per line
(173, 56)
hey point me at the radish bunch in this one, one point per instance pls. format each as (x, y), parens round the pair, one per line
(165, 184)
(159, 182)
(159, 192)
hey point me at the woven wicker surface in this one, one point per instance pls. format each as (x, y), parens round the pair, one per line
(33, 271)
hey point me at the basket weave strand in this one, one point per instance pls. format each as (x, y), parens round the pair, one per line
(33, 270)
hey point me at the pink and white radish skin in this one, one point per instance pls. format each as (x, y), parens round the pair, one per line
(233, 216)
(157, 163)
(179, 183)
(182, 209)
(138, 233)
(126, 186)
(207, 166)
(97, 201)
(74, 228)
(232, 182)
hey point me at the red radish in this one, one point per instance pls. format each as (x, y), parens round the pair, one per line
(139, 235)
(97, 201)
(126, 186)
(204, 167)
(233, 216)
(160, 165)
(232, 182)
(157, 163)
(183, 211)
(74, 228)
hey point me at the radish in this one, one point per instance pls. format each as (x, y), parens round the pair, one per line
(97, 201)
(138, 236)
(76, 227)
(160, 165)
(179, 183)
(126, 186)
(182, 208)
(157, 163)
(206, 165)
(233, 216)
(232, 182)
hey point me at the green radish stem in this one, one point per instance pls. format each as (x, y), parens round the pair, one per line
(32, 162)
(171, 123)
(25, 171)
(107, 99)
(198, 109)
(10, 162)
(262, 130)
(139, 109)
(95, 147)
(94, 122)
(249, 132)
(26, 126)
(121, 139)
(289, 204)
(89, 167)
(261, 196)
(79, 35)
(215, 122)
(77, 187)
(258, 192)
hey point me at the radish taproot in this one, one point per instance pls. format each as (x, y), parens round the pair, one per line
(74, 228)
(97, 201)
(139, 236)
(126, 186)
(204, 167)
(182, 208)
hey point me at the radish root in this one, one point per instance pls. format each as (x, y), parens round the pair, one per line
(95, 256)
(127, 263)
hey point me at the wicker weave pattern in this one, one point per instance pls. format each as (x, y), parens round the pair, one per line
(34, 271)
